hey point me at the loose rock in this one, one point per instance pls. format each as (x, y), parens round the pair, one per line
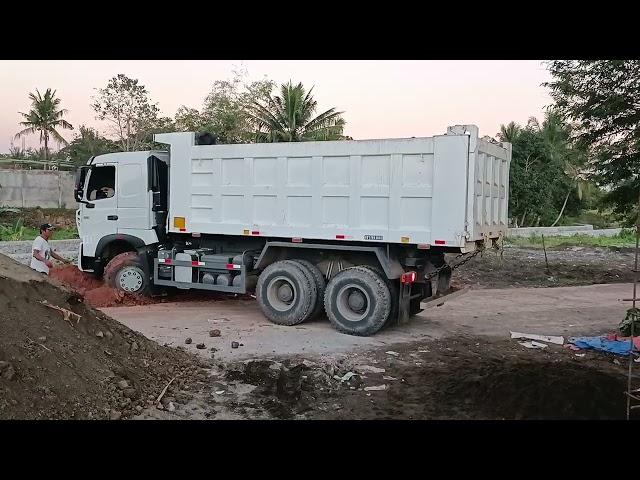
(9, 373)
(123, 384)
(214, 333)
(188, 341)
(201, 346)
(99, 334)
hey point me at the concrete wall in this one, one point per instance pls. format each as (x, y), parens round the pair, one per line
(36, 188)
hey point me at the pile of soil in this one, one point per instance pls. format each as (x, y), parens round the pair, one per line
(481, 378)
(93, 290)
(97, 294)
(520, 267)
(469, 378)
(94, 368)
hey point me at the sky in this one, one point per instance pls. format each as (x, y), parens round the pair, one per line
(380, 99)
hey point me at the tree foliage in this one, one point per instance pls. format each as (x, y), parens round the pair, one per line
(44, 117)
(127, 106)
(289, 117)
(545, 170)
(224, 112)
(87, 143)
(602, 98)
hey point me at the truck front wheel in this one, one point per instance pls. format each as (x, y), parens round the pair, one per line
(125, 272)
(358, 301)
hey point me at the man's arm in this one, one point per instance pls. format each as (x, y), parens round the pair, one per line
(58, 257)
(39, 256)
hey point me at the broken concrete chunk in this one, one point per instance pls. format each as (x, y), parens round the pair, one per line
(558, 340)
(375, 388)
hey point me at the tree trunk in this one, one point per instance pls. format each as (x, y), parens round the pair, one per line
(562, 209)
(46, 148)
(522, 219)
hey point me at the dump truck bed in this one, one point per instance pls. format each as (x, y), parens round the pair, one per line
(447, 190)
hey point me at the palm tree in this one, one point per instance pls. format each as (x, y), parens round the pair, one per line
(44, 117)
(578, 181)
(556, 135)
(509, 132)
(289, 118)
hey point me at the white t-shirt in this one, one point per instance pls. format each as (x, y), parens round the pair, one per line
(43, 247)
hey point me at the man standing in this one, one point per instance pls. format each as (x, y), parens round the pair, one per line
(42, 251)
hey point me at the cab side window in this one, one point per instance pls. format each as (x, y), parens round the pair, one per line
(102, 183)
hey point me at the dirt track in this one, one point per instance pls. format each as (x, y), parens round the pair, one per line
(455, 361)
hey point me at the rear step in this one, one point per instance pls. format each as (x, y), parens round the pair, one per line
(439, 300)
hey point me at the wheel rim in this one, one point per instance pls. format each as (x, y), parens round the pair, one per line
(281, 294)
(353, 303)
(130, 279)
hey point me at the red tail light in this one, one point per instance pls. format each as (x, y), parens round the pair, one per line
(408, 277)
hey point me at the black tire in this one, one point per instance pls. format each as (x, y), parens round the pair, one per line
(394, 288)
(296, 282)
(318, 278)
(372, 294)
(125, 272)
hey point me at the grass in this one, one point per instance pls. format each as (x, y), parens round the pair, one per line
(21, 223)
(626, 238)
(10, 233)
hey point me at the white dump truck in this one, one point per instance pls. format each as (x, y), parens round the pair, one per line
(355, 229)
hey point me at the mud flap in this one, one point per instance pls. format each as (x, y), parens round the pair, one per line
(404, 297)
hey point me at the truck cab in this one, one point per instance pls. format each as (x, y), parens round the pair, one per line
(123, 200)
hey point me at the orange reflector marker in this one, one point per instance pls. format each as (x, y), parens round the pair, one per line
(246, 232)
(404, 239)
(180, 223)
(408, 277)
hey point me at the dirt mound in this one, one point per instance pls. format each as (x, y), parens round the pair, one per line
(481, 378)
(94, 368)
(97, 294)
(519, 267)
(536, 390)
(284, 389)
(94, 291)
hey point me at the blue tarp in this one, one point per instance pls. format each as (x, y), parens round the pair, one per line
(619, 347)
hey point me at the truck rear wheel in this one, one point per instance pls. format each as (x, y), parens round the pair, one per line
(320, 285)
(125, 272)
(286, 293)
(357, 301)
